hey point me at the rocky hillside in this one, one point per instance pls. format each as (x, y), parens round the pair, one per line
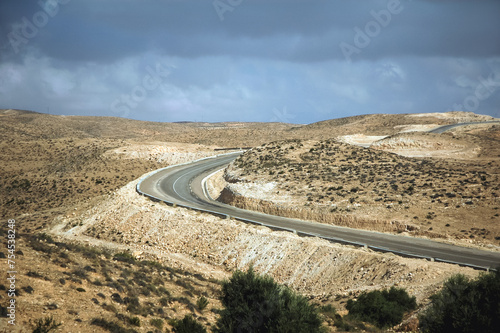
(332, 182)
(97, 257)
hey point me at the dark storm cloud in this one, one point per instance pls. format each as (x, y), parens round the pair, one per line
(307, 30)
(246, 59)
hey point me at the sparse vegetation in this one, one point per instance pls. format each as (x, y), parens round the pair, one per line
(134, 321)
(157, 323)
(45, 325)
(335, 183)
(111, 326)
(129, 278)
(125, 257)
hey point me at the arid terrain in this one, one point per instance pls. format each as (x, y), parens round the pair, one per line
(97, 256)
(333, 182)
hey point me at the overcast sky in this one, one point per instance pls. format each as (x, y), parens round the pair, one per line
(249, 60)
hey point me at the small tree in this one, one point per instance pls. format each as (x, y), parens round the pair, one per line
(382, 308)
(465, 306)
(256, 303)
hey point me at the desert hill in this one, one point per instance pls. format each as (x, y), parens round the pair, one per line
(31, 125)
(51, 161)
(387, 124)
(97, 257)
(473, 142)
(434, 185)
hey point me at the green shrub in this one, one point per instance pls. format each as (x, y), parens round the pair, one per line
(156, 322)
(382, 308)
(41, 246)
(202, 303)
(256, 303)
(124, 257)
(163, 290)
(465, 305)
(34, 274)
(44, 237)
(152, 263)
(44, 325)
(110, 326)
(135, 321)
(187, 325)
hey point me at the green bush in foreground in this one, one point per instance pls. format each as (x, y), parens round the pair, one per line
(382, 308)
(256, 303)
(465, 305)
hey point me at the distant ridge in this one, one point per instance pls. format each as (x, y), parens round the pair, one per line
(16, 112)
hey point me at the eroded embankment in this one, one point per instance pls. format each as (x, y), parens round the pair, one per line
(315, 214)
(224, 187)
(214, 247)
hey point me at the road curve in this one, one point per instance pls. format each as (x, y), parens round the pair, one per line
(183, 185)
(445, 128)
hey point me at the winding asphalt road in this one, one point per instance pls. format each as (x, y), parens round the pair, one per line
(445, 128)
(183, 185)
